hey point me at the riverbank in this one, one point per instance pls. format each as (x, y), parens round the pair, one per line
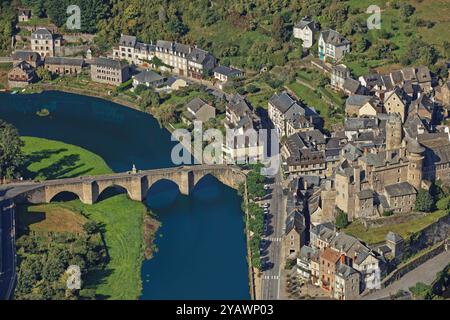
(128, 230)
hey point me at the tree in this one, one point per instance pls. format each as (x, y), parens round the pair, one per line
(91, 227)
(149, 99)
(43, 74)
(11, 155)
(341, 219)
(424, 201)
(443, 204)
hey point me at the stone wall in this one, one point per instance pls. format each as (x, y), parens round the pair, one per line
(405, 268)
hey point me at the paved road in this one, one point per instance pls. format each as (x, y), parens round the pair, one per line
(8, 275)
(425, 273)
(271, 277)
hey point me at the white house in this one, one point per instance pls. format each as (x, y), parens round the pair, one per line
(305, 30)
(332, 46)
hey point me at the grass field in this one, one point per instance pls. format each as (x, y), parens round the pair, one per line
(49, 159)
(377, 235)
(312, 99)
(124, 236)
(50, 218)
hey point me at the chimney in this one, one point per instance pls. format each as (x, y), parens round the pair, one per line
(342, 259)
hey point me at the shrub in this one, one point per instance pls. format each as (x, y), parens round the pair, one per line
(341, 219)
(443, 204)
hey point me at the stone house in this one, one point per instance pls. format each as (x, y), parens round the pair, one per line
(64, 66)
(332, 46)
(436, 164)
(109, 71)
(21, 75)
(424, 79)
(199, 110)
(24, 15)
(352, 86)
(346, 283)
(339, 74)
(395, 103)
(361, 106)
(295, 233)
(31, 57)
(401, 196)
(45, 43)
(306, 30)
(321, 235)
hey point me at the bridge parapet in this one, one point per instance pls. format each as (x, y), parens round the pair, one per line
(137, 185)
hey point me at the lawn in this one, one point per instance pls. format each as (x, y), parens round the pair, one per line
(49, 159)
(50, 218)
(377, 235)
(312, 99)
(124, 237)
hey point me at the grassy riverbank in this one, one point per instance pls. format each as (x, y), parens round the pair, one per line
(49, 159)
(121, 219)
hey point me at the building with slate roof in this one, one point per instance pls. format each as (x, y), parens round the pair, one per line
(306, 30)
(31, 57)
(45, 43)
(64, 66)
(148, 78)
(332, 46)
(109, 71)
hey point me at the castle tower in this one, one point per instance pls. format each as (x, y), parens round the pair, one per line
(415, 157)
(393, 132)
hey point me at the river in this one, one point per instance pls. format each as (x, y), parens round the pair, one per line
(201, 244)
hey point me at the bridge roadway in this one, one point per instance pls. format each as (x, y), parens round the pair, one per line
(136, 183)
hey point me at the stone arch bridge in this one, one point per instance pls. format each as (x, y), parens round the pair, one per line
(137, 184)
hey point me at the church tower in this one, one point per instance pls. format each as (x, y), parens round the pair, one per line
(393, 132)
(415, 157)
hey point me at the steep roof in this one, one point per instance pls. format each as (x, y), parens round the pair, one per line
(110, 63)
(358, 100)
(333, 37)
(196, 104)
(64, 61)
(42, 33)
(227, 71)
(148, 76)
(26, 56)
(128, 41)
(400, 189)
(283, 101)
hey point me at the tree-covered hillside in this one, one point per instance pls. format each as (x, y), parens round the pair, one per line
(258, 33)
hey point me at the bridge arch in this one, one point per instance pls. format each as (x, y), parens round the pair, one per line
(161, 193)
(109, 192)
(100, 187)
(69, 195)
(52, 191)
